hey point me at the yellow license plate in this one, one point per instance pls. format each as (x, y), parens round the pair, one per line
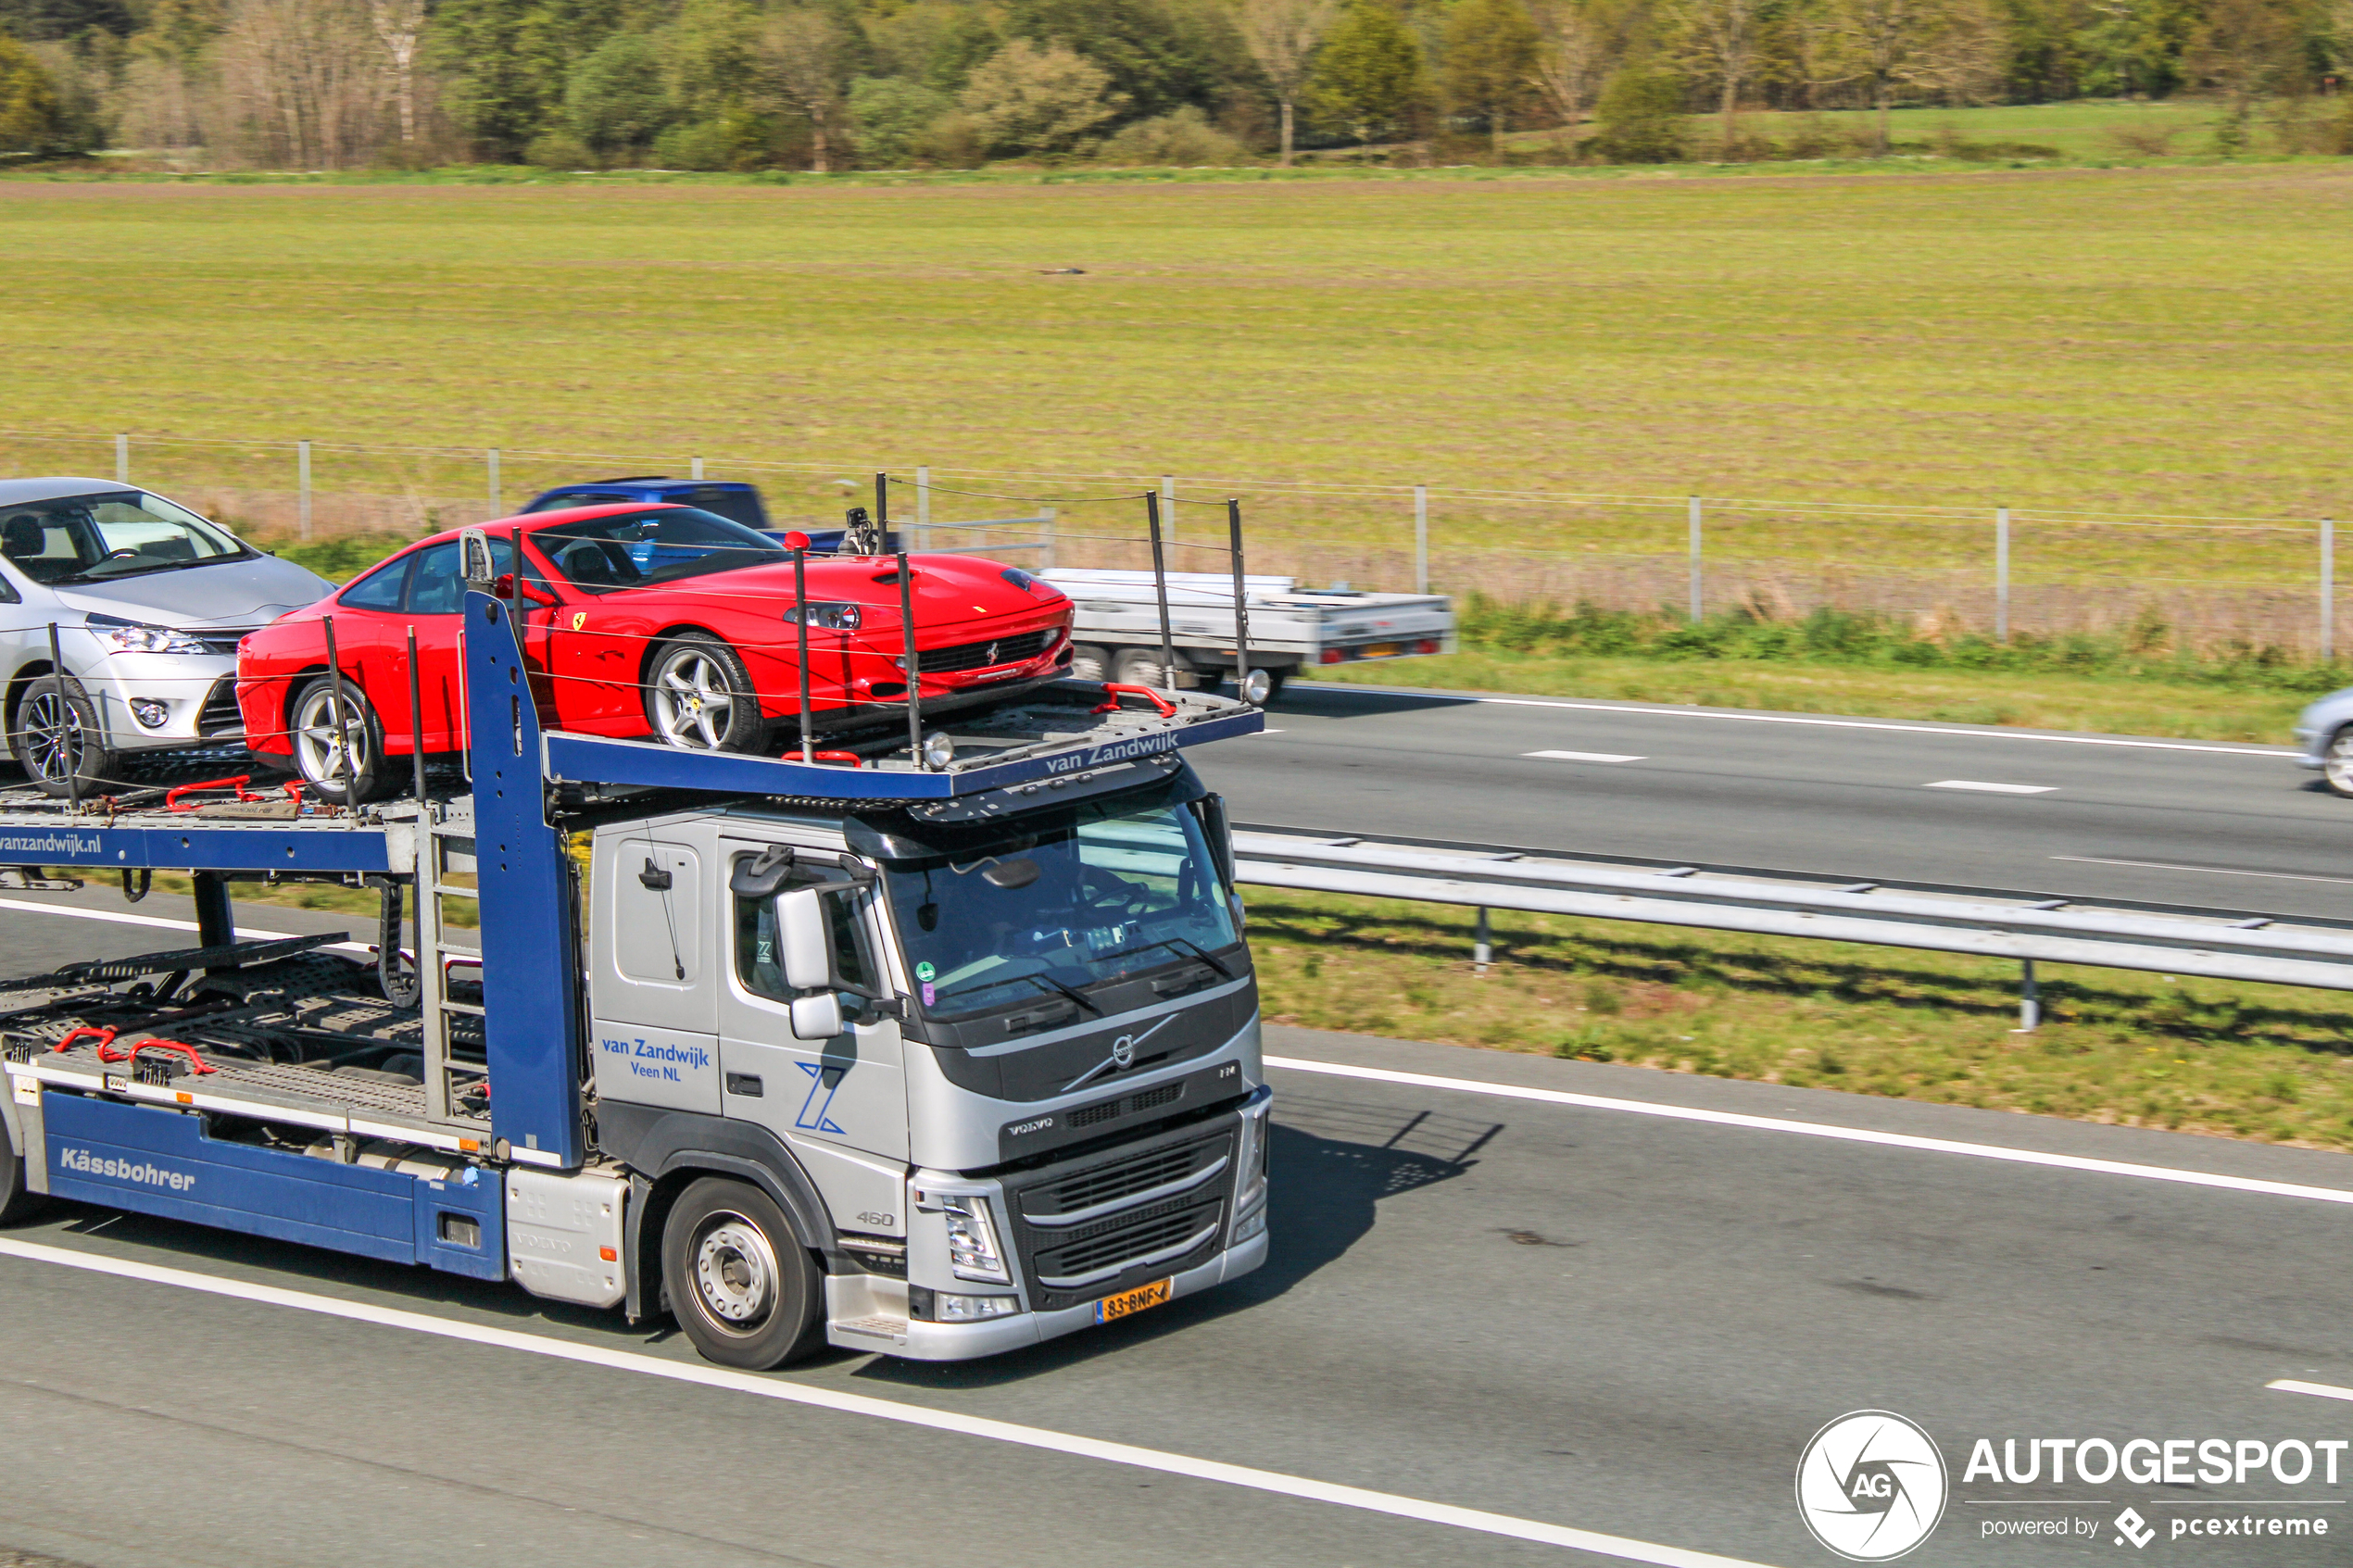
(1129, 1302)
(1377, 650)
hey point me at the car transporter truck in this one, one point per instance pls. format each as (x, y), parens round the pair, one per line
(945, 1046)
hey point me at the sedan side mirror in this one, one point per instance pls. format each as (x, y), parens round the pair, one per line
(817, 1017)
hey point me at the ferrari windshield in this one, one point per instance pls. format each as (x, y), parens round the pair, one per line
(116, 533)
(663, 545)
(1108, 890)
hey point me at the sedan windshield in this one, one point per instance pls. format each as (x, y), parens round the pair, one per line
(637, 549)
(1113, 889)
(116, 533)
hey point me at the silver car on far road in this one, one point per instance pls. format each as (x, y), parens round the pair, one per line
(2324, 738)
(147, 601)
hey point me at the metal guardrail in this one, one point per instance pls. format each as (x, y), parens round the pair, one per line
(2216, 943)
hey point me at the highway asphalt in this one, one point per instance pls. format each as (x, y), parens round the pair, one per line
(2212, 825)
(1580, 1313)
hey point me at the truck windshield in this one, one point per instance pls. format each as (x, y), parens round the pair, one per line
(1111, 889)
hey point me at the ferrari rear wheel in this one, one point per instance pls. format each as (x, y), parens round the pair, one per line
(700, 696)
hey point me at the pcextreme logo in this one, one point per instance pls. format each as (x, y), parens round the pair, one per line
(1872, 1485)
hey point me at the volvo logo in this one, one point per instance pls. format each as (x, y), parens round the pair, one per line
(1122, 1057)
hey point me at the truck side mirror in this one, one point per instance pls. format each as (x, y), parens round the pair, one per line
(817, 1017)
(808, 945)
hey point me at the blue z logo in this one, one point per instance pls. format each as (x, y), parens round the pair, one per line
(812, 1117)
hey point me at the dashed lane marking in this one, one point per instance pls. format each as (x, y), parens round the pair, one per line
(1583, 756)
(1986, 787)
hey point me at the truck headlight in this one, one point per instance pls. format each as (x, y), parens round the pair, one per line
(972, 1309)
(829, 615)
(129, 636)
(972, 1252)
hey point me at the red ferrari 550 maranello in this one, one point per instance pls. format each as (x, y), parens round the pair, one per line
(659, 621)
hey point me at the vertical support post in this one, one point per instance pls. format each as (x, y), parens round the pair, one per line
(2328, 589)
(694, 468)
(417, 735)
(882, 512)
(1421, 538)
(216, 924)
(2029, 998)
(2001, 574)
(71, 740)
(1045, 526)
(914, 670)
(1241, 604)
(801, 640)
(923, 508)
(1482, 943)
(302, 480)
(334, 713)
(496, 505)
(1697, 610)
(122, 459)
(1159, 590)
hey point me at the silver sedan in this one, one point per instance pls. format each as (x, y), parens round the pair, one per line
(120, 615)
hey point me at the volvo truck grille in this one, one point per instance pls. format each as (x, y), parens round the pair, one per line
(1125, 1216)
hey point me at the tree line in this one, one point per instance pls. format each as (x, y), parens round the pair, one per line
(834, 84)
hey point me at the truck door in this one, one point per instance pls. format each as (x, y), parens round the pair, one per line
(652, 996)
(841, 1104)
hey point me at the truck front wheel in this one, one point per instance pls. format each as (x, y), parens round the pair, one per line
(745, 1289)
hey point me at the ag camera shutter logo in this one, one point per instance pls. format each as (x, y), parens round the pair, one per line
(1872, 1485)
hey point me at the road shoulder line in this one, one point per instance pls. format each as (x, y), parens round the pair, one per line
(776, 1387)
(1823, 1130)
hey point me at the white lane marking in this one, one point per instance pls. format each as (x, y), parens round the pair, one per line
(1824, 1130)
(2297, 1386)
(1583, 756)
(251, 934)
(1990, 788)
(1824, 724)
(773, 1387)
(2208, 870)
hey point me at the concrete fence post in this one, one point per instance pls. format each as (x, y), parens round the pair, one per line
(694, 469)
(1046, 528)
(2328, 589)
(122, 459)
(302, 483)
(1697, 608)
(1168, 507)
(1421, 538)
(496, 505)
(2001, 574)
(923, 507)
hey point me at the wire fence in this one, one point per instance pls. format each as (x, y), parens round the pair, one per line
(2197, 581)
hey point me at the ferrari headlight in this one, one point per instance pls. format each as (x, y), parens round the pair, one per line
(972, 1252)
(129, 636)
(829, 615)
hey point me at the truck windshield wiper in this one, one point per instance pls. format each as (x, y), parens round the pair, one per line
(1080, 996)
(1187, 945)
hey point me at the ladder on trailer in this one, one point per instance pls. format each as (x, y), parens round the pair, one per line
(446, 871)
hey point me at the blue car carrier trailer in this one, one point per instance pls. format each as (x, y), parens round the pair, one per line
(945, 1053)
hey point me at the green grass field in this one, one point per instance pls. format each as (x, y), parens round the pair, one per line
(2158, 340)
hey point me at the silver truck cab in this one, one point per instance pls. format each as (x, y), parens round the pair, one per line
(1016, 1059)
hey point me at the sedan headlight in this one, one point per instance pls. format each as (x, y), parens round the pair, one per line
(130, 636)
(828, 615)
(972, 1252)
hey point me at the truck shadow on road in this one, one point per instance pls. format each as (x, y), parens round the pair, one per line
(1334, 1164)
(1337, 701)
